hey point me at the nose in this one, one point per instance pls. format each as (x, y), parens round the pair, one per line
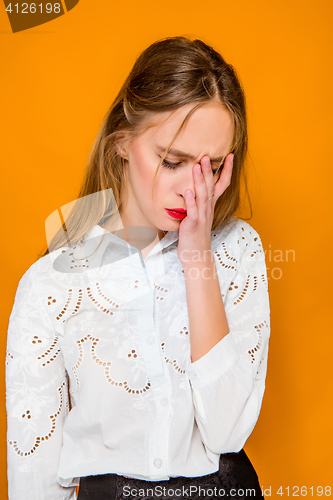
(185, 180)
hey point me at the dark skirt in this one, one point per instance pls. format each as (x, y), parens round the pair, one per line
(235, 479)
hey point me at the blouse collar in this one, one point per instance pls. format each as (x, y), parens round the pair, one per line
(169, 238)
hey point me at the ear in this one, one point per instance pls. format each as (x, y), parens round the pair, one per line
(122, 142)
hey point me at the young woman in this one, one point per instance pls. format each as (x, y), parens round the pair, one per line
(137, 345)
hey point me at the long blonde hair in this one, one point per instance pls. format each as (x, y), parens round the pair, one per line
(169, 74)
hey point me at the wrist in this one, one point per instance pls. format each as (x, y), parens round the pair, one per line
(196, 258)
(200, 270)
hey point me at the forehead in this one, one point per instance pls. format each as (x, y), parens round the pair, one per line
(207, 130)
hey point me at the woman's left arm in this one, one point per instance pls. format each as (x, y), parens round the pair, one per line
(229, 341)
(228, 370)
(205, 306)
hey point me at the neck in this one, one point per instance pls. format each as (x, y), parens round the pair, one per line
(140, 236)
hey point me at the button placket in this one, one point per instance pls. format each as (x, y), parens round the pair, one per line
(161, 386)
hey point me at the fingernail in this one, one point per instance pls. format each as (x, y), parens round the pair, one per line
(189, 194)
(232, 159)
(199, 169)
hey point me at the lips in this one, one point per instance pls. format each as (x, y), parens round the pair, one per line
(176, 213)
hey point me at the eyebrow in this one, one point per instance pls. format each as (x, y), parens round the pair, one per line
(176, 152)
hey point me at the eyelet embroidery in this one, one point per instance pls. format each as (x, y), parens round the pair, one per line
(78, 303)
(36, 341)
(222, 263)
(97, 304)
(263, 279)
(124, 384)
(114, 304)
(164, 290)
(259, 343)
(173, 362)
(245, 289)
(128, 352)
(79, 265)
(256, 251)
(39, 439)
(80, 300)
(48, 351)
(128, 389)
(8, 356)
(106, 365)
(233, 259)
(233, 286)
(70, 295)
(75, 260)
(260, 362)
(244, 292)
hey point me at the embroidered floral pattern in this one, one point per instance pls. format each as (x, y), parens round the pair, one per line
(115, 338)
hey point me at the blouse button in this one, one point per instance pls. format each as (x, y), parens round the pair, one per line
(150, 340)
(158, 463)
(164, 402)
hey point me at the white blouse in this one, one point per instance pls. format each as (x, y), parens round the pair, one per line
(99, 373)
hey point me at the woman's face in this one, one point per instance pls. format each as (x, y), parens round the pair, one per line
(208, 131)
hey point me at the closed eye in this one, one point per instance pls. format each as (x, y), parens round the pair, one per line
(173, 166)
(168, 164)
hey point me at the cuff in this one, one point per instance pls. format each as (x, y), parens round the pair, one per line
(214, 363)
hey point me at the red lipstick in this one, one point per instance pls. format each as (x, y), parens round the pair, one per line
(177, 213)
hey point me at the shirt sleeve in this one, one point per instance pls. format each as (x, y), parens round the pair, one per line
(228, 382)
(37, 399)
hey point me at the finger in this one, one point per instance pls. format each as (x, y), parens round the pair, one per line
(225, 177)
(191, 207)
(201, 192)
(208, 175)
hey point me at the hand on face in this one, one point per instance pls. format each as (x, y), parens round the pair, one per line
(195, 229)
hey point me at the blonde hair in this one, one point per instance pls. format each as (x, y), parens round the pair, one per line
(170, 73)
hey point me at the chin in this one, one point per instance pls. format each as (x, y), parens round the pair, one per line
(167, 225)
(171, 226)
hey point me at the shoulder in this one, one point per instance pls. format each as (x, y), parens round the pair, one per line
(237, 235)
(39, 277)
(40, 269)
(239, 255)
(67, 265)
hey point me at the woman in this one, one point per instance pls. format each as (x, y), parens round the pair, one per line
(137, 345)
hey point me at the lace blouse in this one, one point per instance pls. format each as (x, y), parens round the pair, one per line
(99, 377)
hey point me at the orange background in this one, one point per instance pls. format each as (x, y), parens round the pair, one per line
(57, 83)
